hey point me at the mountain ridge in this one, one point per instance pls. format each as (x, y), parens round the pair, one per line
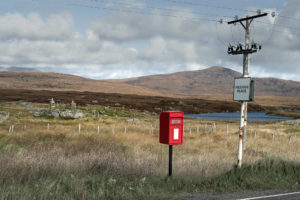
(211, 81)
(65, 82)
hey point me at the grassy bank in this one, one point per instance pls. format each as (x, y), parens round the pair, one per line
(124, 160)
(295, 115)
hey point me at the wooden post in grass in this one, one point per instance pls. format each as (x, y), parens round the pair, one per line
(197, 130)
(214, 127)
(151, 129)
(290, 139)
(79, 128)
(254, 134)
(227, 129)
(9, 130)
(125, 130)
(48, 126)
(113, 130)
(273, 137)
(190, 130)
(98, 129)
(24, 127)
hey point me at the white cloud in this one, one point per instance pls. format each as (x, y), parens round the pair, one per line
(15, 26)
(124, 45)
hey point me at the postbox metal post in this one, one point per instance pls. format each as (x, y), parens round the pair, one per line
(170, 159)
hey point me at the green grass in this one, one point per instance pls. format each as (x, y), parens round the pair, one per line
(117, 112)
(295, 115)
(292, 131)
(102, 182)
(270, 173)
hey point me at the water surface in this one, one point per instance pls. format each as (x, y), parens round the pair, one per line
(252, 116)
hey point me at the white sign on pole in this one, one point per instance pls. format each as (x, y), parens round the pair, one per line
(243, 89)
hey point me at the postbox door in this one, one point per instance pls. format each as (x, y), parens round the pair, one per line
(176, 134)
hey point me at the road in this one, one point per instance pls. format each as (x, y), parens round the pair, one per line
(245, 195)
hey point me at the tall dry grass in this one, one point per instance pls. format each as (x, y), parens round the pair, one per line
(51, 157)
(204, 152)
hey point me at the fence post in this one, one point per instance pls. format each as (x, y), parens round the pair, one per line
(254, 134)
(273, 137)
(214, 127)
(98, 129)
(290, 139)
(151, 129)
(226, 129)
(79, 128)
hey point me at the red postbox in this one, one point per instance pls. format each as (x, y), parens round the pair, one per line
(171, 127)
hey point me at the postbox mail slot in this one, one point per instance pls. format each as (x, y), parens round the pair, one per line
(175, 121)
(171, 127)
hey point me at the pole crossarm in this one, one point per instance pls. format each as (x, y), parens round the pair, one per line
(247, 18)
(249, 51)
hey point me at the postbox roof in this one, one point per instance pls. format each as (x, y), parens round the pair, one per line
(173, 113)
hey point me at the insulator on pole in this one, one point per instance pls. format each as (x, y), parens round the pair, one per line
(273, 14)
(258, 11)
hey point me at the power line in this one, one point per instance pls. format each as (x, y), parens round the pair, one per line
(275, 29)
(273, 24)
(218, 36)
(229, 8)
(131, 11)
(208, 5)
(169, 10)
(141, 12)
(164, 9)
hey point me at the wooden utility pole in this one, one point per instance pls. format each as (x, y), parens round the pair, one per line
(245, 50)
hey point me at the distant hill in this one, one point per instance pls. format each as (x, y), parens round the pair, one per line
(64, 82)
(211, 81)
(19, 69)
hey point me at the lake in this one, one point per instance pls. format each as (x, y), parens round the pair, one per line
(252, 116)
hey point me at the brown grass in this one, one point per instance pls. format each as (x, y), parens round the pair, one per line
(204, 153)
(37, 153)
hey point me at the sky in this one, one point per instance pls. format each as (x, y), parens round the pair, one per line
(109, 39)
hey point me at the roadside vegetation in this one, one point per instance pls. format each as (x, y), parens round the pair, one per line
(116, 155)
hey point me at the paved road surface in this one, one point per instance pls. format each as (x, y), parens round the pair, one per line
(245, 195)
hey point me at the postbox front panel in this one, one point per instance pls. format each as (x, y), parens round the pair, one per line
(175, 135)
(171, 128)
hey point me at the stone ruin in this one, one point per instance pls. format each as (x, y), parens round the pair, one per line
(73, 106)
(51, 104)
(57, 113)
